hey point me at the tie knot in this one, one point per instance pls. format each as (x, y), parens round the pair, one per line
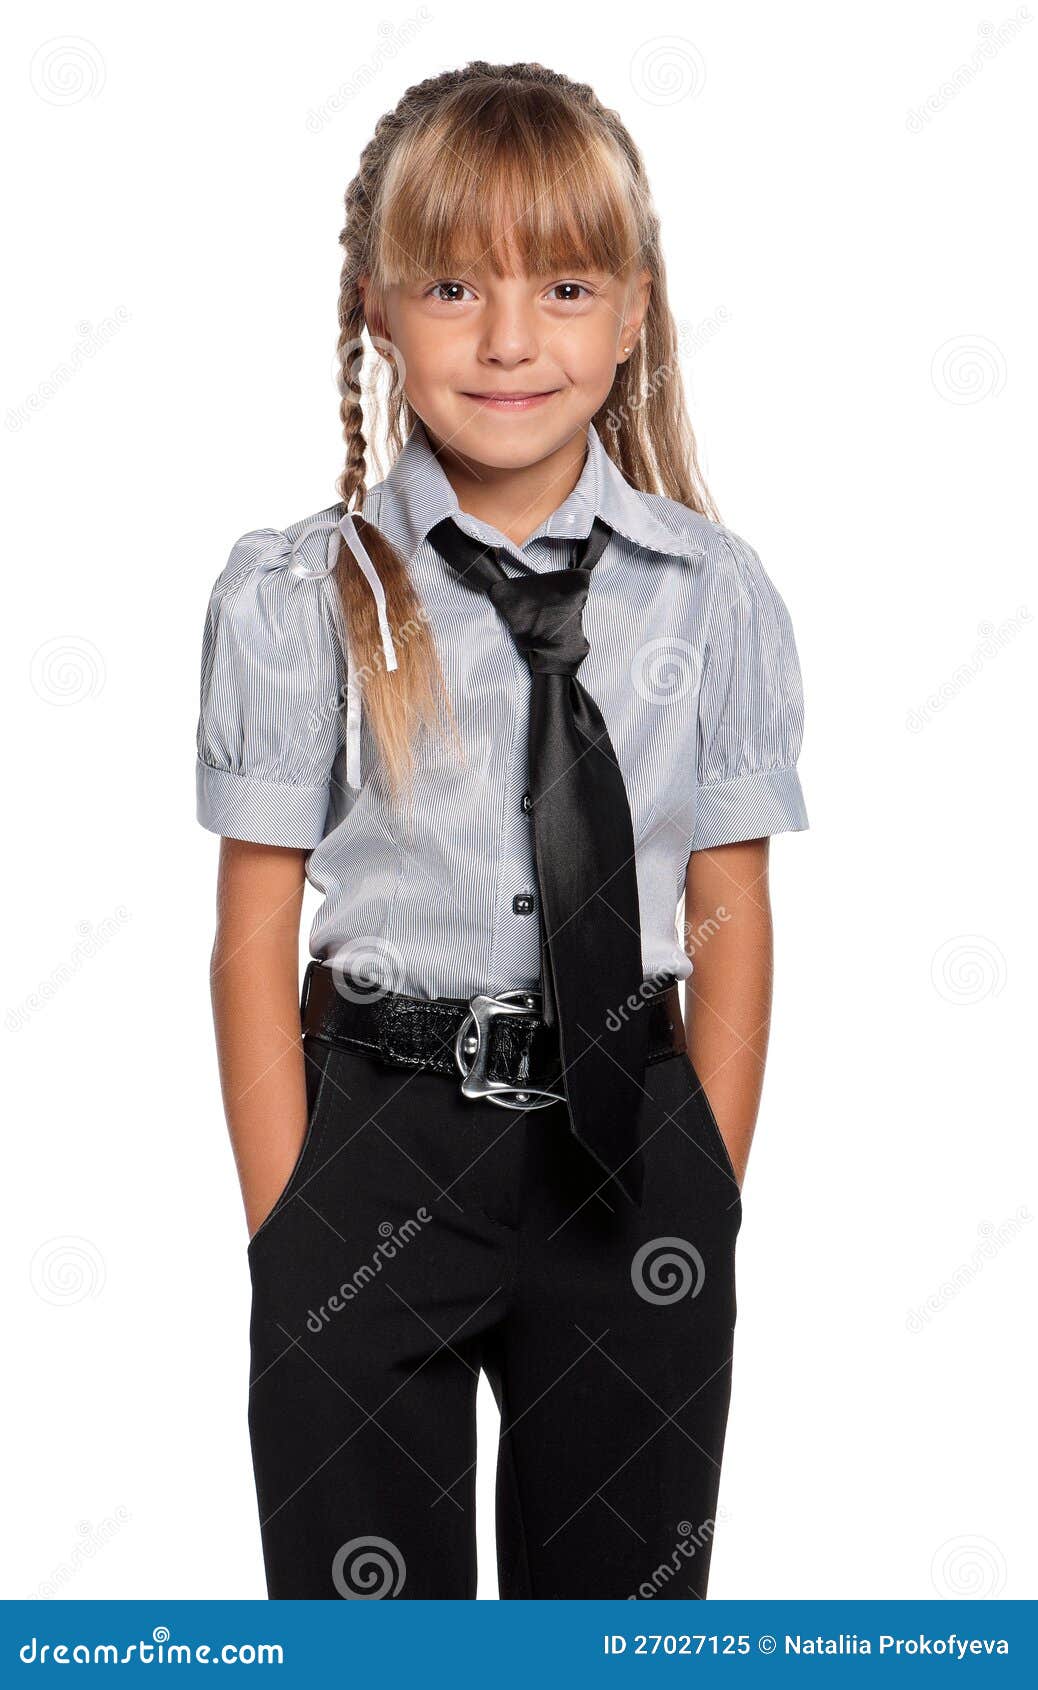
(543, 613)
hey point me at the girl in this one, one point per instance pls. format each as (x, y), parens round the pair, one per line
(503, 710)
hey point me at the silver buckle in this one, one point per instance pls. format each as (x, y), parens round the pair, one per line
(471, 1047)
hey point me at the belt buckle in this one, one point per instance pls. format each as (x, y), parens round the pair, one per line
(471, 1047)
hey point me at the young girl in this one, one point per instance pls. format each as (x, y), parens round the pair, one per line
(504, 710)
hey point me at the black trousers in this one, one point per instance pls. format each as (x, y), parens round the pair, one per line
(423, 1237)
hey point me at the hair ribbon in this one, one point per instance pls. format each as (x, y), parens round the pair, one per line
(347, 530)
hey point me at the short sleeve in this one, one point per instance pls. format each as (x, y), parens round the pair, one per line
(751, 714)
(269, 719)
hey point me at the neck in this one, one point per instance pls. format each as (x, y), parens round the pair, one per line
(514, 501)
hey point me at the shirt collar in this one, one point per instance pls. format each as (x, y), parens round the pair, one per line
(416, 494)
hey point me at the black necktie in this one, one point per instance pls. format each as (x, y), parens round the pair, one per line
(591, 954)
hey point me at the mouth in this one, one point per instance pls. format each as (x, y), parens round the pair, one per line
(511, 401)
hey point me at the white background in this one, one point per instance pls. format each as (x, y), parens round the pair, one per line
(864, 403)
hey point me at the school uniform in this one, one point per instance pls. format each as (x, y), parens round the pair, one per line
(429, 1231)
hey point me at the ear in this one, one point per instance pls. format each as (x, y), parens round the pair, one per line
(638, 293)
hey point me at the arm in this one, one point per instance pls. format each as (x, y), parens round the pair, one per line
(728, 935)
(254, 981)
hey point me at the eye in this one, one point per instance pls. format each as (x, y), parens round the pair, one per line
(433, 292)
(573, 289)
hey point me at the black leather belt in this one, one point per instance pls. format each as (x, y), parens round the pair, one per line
(497, 1044)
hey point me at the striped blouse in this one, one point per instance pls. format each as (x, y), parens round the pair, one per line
(692, 663)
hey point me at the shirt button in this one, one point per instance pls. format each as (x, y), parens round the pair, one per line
(527, 802)
(522, 903)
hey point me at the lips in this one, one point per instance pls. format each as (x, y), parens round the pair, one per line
(511, 401)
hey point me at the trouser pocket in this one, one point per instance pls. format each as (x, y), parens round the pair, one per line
(700, 1098)
(316, 1053)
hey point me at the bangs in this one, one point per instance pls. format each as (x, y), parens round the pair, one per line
(509, 179)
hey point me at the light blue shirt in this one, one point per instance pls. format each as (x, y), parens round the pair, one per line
(692, 663)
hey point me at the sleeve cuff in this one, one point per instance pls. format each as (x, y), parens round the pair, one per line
(769, 801)
(261, 812)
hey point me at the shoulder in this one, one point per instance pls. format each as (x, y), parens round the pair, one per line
(276, 562)
(715, 550)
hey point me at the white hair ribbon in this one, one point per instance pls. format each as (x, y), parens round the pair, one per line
(347, 530)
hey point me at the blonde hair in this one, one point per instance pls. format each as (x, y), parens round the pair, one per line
(525, 170)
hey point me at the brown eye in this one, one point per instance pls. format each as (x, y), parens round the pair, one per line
(453, 288)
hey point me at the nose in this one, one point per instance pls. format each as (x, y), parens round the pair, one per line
(508, 334)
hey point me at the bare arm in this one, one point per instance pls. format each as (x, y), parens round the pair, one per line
(728, 936)
(254, 980)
